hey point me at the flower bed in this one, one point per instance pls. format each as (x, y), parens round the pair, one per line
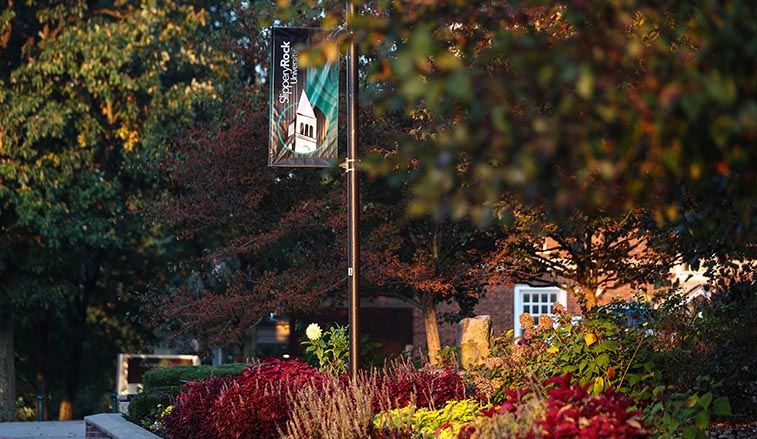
(590, 379)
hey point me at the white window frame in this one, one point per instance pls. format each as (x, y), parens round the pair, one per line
(520, 290)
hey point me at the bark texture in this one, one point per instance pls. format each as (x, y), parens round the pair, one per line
(7, 372)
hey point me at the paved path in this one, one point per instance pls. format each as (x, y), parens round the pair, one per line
(46, 430)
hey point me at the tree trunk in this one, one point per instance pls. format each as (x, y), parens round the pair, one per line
(432, 327)
(7, 371)
(588, 297)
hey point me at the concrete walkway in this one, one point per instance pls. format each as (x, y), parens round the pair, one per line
(46, 430)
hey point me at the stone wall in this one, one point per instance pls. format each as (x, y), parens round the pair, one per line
(114, 426)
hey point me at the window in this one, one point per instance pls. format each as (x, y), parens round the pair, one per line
(535, 301)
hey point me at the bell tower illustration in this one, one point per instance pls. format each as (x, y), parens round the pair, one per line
(304, 127)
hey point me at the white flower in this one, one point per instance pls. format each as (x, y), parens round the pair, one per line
(313, 331)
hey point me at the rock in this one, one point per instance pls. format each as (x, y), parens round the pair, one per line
(474, 340)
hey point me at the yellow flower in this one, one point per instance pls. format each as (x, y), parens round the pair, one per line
(590, 339)
(553, 350)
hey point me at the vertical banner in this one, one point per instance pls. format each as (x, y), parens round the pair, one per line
(304, 102)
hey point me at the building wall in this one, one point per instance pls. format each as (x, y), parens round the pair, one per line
(498, 302)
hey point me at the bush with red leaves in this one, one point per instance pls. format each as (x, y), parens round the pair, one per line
(570, 412)
(573, 413)
(253, 405)
(291, 372)
(189, 417)
(425, 388)
(258, 403)
(249, 411)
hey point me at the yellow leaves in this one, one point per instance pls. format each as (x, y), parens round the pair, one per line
(327, 52)
(50, 157)
(590, 339)
(599, 385)
(129, 137)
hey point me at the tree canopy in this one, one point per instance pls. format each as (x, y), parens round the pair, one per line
(89, 89)
(576, 105)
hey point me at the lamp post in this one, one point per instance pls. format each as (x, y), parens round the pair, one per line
(353, 219)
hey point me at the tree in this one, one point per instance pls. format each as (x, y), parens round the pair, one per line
(425, 261)
(88, 91)
(269, 238)
(577, 106)
(588, 255)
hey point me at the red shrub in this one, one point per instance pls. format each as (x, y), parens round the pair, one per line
(257, 404)
(426, 387)
(252, 405)
(292, 373)
(189, 417)
(573, 413)
(251, 412)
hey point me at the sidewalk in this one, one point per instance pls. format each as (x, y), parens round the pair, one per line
(45, 430)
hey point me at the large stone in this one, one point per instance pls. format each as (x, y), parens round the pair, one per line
(474, 340)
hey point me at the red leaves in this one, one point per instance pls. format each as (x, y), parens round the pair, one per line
(424, 388)
(570, 412)
(253, 405)
(573, 413)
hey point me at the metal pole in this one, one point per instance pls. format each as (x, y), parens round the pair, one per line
(353, 219)
(40, 408)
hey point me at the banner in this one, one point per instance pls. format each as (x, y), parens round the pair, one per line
(304, 102)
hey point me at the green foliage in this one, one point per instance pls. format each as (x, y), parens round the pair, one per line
(448, 356)
(685, 414)
(548, 102)
(598, 351)
(710, 337)
(594, 350)
(166, 377)
(88, 96)
(426, 423)
(147, 408)
(330, 348)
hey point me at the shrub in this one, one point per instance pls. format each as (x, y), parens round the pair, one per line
(257, 404)
(429, 387)
(443, 423)
(191, 417)
(711, 337)
(252, 410)
(517, 417)
(571, 411)
(596, 350)
(178, 375)
(146, 408)
(292, 372)
(599, 352)
(561, 409)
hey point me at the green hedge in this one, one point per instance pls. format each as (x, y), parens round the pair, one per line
(146, 407)
(178, 375)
